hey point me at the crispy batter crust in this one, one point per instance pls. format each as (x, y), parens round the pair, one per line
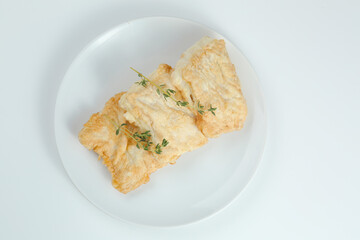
(204, 73)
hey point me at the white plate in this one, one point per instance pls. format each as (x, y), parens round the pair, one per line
(202, 182)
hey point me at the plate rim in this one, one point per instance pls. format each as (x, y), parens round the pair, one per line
(104, 35)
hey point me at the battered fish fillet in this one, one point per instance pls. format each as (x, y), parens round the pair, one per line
(141, 109)
(129, 166)
(150, 111)
(205, 73)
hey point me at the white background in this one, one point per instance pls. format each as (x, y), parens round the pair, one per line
(306, 55)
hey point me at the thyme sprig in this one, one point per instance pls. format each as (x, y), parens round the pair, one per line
(168, 93)
(143, 140)
(200, 108)
(160, 89)
(212, 110)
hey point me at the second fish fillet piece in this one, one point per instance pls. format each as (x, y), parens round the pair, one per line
(205, 74)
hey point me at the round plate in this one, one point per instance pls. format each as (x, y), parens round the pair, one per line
(202, 182)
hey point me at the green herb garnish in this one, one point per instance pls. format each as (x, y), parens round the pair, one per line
(212, 110)
(168, 93)
(143, 140)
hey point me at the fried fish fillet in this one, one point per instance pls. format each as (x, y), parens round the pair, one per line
(129, 166)
(205, 74)
(150, 111)
(141, 109)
